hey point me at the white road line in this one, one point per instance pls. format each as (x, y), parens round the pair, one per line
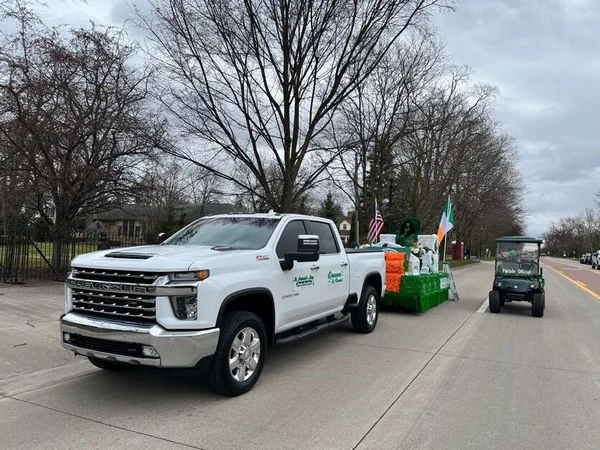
(484, 306)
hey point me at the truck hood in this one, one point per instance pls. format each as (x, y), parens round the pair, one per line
(158, 258)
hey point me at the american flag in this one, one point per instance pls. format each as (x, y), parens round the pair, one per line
(375, 225)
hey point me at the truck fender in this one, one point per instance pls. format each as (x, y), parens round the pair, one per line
(251, 292)
(374, 279)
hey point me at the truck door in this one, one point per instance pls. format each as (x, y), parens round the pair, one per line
(333, 266)
(300, 289)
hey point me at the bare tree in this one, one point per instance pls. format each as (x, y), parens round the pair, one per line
(73, 109)
(261, 80)
(161, 185)
(378, 116)
(202, 186)
(569, 236)
(459, 149)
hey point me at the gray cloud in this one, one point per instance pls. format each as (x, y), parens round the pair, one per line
(543, 56)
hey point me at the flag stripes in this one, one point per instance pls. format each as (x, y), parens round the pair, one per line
(375, 225)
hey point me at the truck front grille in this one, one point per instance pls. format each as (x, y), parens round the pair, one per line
(128, 306)
(125, 306)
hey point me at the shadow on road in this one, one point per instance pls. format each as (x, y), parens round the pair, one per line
(517, 309)
(147, 387)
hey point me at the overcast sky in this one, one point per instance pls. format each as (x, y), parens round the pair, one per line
(542, 54)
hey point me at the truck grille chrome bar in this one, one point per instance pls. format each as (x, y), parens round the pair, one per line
(121, 295)
(118, 276)
(125, 306)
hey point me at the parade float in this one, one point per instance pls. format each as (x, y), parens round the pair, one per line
(413, 279)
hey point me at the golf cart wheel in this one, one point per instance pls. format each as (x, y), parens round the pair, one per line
(494, 302)
(544, 300)
(537, 305)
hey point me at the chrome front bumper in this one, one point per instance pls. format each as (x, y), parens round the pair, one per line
(174, 348)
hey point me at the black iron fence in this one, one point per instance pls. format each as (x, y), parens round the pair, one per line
(24, 255)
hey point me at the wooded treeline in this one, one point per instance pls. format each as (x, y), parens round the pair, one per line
(572, 236)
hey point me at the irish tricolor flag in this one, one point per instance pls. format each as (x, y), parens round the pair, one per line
(447, 222)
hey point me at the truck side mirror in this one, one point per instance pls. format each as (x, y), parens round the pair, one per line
(307, 250)
(162, 237)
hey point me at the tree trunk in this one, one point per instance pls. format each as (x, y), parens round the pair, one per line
(60, 251)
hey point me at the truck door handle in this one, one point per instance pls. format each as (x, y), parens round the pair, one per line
(314, 268)
(344, 264)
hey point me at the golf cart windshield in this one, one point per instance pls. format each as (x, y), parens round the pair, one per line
(518, 259)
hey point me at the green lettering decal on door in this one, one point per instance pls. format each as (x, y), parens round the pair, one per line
(335, 277)
(304, 282)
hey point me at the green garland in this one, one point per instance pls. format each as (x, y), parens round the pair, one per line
(418, 292)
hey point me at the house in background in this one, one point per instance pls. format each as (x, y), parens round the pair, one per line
(130, 222)
(344, 224)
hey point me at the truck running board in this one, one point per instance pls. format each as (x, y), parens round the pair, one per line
(312, 330)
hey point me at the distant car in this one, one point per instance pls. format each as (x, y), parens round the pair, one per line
(596, 260)
(586, 258)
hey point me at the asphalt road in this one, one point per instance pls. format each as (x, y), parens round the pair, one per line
(455, 377)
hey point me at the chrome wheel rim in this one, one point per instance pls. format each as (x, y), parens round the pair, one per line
(244, 354)
(371, 309)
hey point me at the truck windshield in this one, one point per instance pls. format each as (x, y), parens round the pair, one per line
(243, 233)
(517, 258)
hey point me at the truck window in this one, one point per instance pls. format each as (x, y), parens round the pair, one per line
(288, 242)
(327, 239)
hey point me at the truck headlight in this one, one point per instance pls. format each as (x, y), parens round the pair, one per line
(185, 307)
(187, 277)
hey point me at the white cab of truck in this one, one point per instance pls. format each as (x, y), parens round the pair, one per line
(217, 294)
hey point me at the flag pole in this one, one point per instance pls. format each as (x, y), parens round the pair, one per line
(444, 257)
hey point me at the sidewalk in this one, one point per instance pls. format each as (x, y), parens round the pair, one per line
(29, 330)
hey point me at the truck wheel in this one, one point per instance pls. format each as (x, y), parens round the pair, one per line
(537, 305)
(494, 302)
(240, 356)
(110, 365)
(365, 317)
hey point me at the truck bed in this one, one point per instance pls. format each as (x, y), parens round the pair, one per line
(362, 250)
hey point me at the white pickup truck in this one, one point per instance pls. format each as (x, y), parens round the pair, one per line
(217, 294)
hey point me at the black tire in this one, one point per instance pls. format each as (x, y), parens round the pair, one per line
(221, 380)
(363, 320)
(494, 302)
(538, 305)
(544, 301)
(110, 365)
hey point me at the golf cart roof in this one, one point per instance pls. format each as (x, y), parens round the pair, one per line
(519, 239)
